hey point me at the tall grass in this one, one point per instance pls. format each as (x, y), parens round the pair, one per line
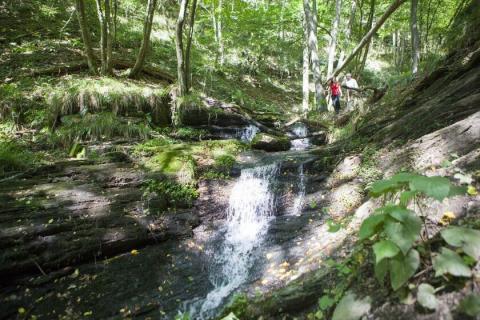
(106, 94)
(98, 127)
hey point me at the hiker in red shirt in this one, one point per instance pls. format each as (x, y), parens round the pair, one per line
(335, 92)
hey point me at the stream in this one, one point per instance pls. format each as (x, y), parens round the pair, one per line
(252, 207)
(255, 233)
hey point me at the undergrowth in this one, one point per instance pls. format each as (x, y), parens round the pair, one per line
(97, 127)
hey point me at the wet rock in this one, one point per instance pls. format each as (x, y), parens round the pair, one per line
(212, 203)
(270, 143)
(75, 212)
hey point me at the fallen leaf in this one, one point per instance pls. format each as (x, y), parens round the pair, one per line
(447, 217)
(471, 190)
(134, 252)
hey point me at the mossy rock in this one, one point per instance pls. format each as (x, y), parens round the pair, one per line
(270, 143)
(196, 115)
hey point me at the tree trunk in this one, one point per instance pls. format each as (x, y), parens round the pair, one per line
(393, 7)
(182, 80)
(306, 66)
(103, 37)
(348, 30)
(188, 69)
(367, 46)
(221, 47)
(108, 20)
(311, 20)
(115, 16)
(84, 29)
(415, 36)
(333, 41)
(147, 29)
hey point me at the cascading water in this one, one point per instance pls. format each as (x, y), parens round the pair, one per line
(248, 133)
(300, 130)
(300, 198)
(251, 207)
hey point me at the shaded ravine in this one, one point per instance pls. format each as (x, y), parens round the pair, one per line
(197, 275)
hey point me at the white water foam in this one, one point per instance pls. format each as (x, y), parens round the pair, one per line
(248, 133)
(301, 131)
(300, 198)
(251, 207)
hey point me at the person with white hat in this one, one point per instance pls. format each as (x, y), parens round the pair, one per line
(350, 83)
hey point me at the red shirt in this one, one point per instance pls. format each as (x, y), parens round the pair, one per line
(335, 88)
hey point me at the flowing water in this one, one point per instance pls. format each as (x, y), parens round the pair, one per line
(300, 197)
(300, 130)
(248, 133)
(251, 208)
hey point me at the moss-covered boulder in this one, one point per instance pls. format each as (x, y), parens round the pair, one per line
(270, 143)
(193, 114)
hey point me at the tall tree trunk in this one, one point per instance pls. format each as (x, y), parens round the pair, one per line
(311, 20)
(393, 7)
(188, 69)
(367, 46)
(147, 30)
(108, 19)
(306, 66)
(103, 37)
(182, 79)
(115, 16)
(415, 36)
(221, 47)
(333, 41)
(348, 30)
(84, 29)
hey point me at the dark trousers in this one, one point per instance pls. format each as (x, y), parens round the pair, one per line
(336, 103)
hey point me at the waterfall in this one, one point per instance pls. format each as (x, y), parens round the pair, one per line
(300, 198)
(300, 130)
(251, 207)
(248, 133)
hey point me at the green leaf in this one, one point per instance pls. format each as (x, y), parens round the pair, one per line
(450, 262)
(325, 302)
(465, 238)
(333, 226)
(404, 177)
(457, 191)
(403, 267)
(381, 270)
(435, 187)
(382, 187)
(406, 197)
(426, 296)
(370, 226)
(403, 233)
(349, 308)
(385, 249)
(470, 305)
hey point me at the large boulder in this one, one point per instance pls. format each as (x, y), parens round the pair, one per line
(270, 143)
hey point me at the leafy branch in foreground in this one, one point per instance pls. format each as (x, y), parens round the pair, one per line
(395, 229)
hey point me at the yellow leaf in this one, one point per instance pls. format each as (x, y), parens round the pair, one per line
(447, 217)
(87, 313)
(21, 310)
(134, 252)
(472, 191)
